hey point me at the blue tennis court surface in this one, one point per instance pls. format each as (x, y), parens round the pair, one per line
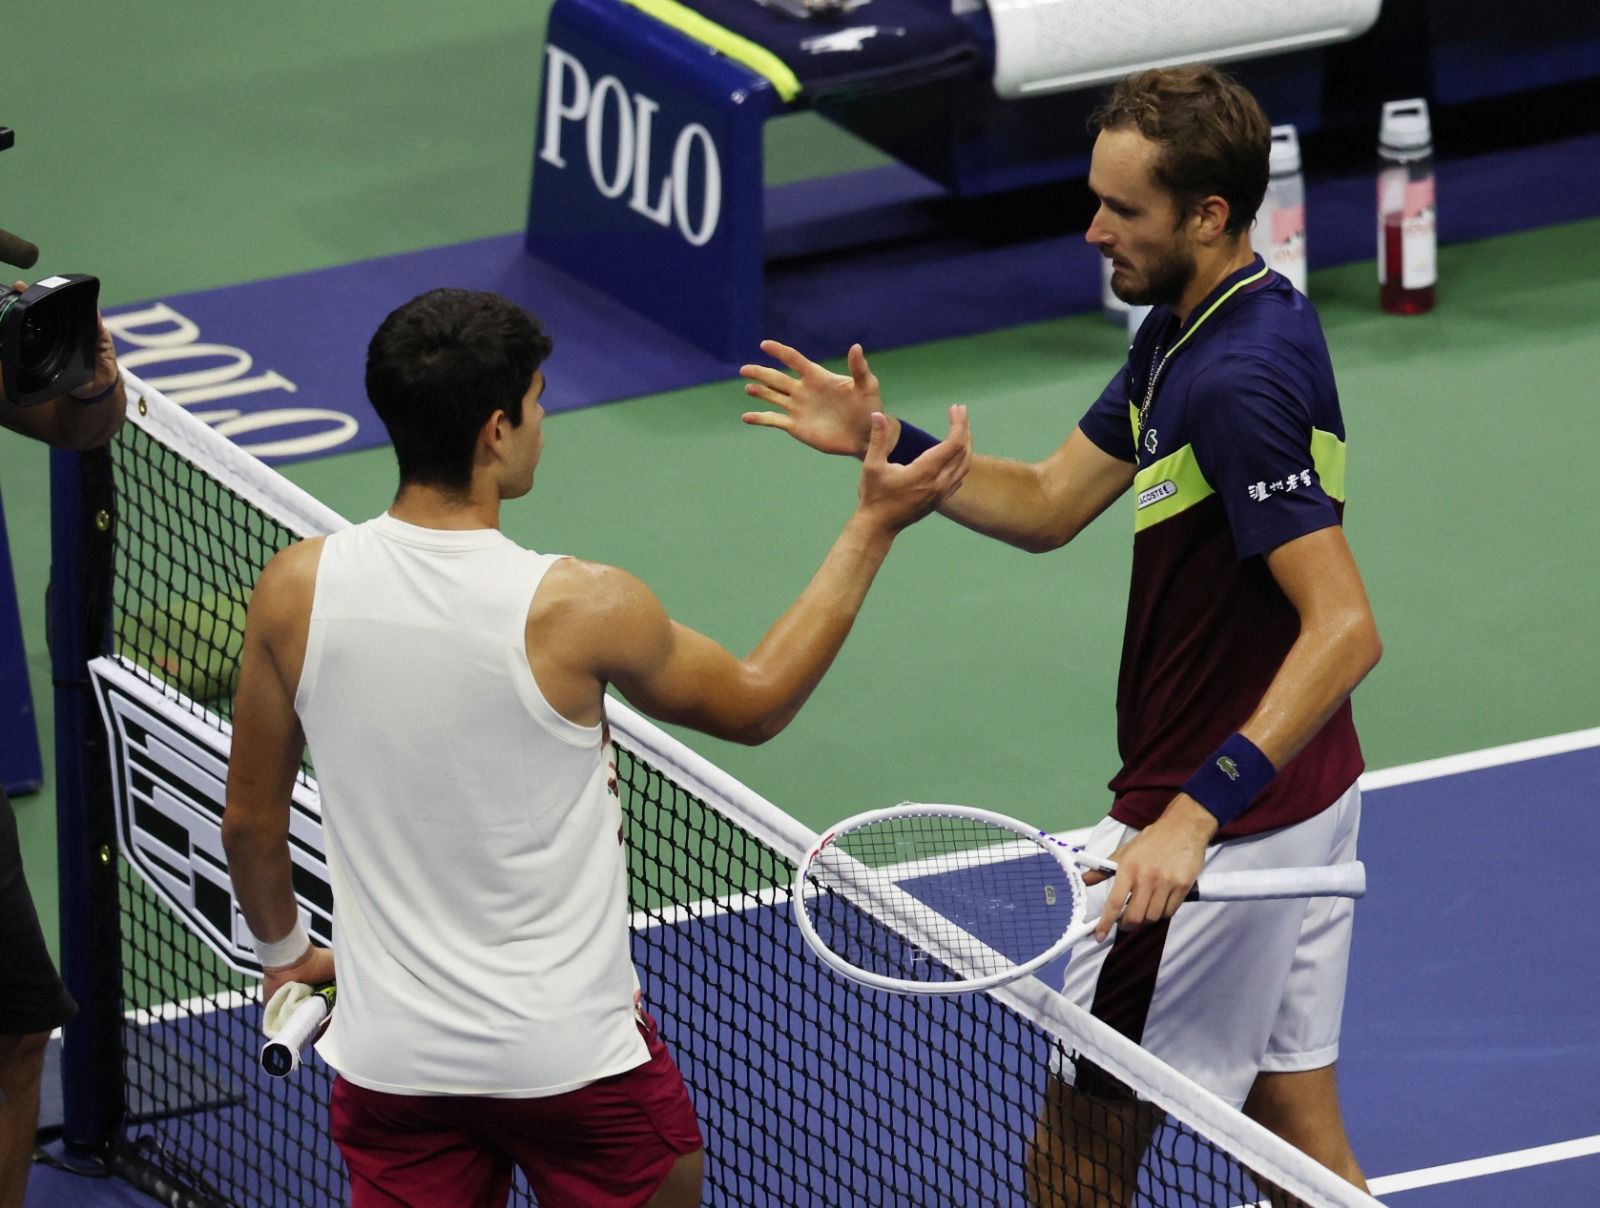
(1471, 1062)
(1471, 1028)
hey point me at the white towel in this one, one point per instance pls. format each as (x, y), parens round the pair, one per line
(282, 1005)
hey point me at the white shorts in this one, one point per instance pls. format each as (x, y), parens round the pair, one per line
(1224, 990)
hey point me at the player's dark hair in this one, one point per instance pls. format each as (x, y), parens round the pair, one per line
(1213, 136)
(439, 367)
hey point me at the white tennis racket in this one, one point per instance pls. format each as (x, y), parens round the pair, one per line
(946, 899)
(280, 1055)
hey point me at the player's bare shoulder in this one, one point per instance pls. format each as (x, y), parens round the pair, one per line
(594, 611)
(294, 567)
(578, 592)
(287, 584)
(279, 618)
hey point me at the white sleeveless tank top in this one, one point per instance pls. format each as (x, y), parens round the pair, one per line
(473, 846)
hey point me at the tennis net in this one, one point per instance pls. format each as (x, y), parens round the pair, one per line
(811, 1090)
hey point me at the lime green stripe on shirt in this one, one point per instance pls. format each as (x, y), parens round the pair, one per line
(1327, 455)
(741, 50)
(1175, 483)
(1163, 489)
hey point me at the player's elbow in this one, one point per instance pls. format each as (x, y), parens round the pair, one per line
(235, 836)
(245, 834)
(1373, 646)
(760, 728)
(753, 736)
(1047, 540)
(1362, 647)
(742, 717)
(764, 716)
(747, 732)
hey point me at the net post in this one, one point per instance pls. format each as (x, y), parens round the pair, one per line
(81, 541)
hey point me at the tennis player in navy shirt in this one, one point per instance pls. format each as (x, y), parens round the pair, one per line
(1248, 627)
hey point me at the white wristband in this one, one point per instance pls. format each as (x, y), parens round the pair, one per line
(285, 952)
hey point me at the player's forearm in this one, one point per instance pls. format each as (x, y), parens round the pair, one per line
(1320, 671)
(1318, 675)
(1008, 500)
(262, 875)
(791, 659)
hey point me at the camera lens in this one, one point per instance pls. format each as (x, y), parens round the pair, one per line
(48, 337)
(44, 350)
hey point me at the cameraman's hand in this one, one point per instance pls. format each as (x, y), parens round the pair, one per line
(105, 358)
(106, 373)
(65, 422)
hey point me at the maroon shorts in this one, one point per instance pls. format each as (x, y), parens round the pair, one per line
(606, 1145)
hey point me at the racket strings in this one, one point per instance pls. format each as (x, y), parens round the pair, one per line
(868, 942)
(935, 898)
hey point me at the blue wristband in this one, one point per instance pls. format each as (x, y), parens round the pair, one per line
(1228, 781)
(913, 443)
(102, 396)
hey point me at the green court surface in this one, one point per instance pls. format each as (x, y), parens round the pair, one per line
(184, 146)
(981, 674)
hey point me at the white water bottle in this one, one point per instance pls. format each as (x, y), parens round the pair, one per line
(1408, 248)
(1279, 234)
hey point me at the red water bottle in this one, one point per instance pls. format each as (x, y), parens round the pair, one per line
(1408, 249)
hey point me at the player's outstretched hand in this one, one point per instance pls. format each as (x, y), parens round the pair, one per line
(902, 495)
(831, 412)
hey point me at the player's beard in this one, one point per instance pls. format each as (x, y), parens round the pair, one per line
(1164, 282)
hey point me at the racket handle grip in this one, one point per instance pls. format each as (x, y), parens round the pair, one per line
(280, 1056)
(1257, 884)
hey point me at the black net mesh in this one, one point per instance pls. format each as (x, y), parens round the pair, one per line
(811, 1090)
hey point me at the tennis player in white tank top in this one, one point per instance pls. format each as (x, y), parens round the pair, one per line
(514, 981)
(450, 686)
